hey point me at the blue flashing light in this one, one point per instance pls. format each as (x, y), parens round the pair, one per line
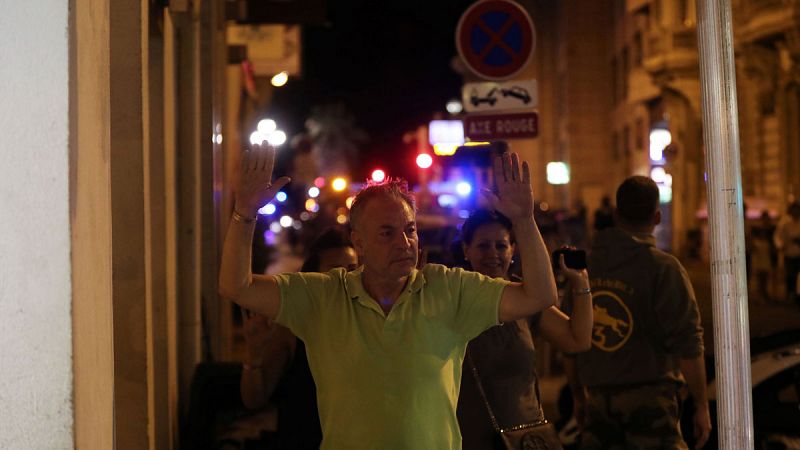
(463, 188)
(447, 200)
(281, 196)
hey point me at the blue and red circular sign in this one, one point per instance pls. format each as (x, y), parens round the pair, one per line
(495, 38)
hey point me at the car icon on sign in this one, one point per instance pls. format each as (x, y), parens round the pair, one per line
(518, 93)
(476, 100)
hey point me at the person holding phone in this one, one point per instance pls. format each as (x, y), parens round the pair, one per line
(503, 357)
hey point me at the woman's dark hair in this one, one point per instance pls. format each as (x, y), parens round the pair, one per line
(329, 239)
(481, 217)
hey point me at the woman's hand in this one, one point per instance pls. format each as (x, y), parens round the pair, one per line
(514, 197)
(576, 279)
(254, 187)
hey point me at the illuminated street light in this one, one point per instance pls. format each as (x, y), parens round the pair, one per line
(349, 202)
(277, 138)
(424, 160)
(660, 138)
(658, 174)
(313, 192)
(339, 184)
(341, 219)
(275, 227)
(267, 126)
(312, 205)
(286, 221)
(454, 106)
(280, 79)
(257, 138)
(281, 196)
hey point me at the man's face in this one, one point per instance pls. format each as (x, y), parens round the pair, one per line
(386, 238)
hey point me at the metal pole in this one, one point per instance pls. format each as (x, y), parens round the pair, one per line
(725, 216)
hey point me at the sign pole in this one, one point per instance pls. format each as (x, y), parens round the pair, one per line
(725, 216)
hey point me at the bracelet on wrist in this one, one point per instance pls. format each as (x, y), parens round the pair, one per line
(584, 291)
(243, 219)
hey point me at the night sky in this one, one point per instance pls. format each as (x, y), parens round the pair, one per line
(388, 62)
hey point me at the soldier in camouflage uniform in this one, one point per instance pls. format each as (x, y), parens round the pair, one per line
(647, 341)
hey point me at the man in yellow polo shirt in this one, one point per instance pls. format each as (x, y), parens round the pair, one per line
(386, 342)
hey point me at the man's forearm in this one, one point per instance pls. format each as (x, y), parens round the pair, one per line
(537, 274)
(235, 270)
(694, 370)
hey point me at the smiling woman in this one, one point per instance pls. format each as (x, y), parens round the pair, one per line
(500, 365)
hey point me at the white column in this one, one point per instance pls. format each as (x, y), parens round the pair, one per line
(35, 286)
(729, 284)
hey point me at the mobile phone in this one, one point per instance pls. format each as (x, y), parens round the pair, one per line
(573, 258)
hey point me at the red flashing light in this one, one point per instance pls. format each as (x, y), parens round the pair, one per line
(424, 160)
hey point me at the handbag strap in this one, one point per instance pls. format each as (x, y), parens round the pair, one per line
(492, 417)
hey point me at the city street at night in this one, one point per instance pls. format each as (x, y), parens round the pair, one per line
(413, 225)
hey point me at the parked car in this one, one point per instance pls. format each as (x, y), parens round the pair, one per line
(775, 376)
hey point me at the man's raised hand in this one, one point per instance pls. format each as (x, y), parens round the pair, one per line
(254, 188)
(514, 196)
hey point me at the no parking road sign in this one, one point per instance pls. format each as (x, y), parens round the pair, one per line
(495, 38)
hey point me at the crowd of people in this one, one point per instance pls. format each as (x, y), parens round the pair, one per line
(369, 346)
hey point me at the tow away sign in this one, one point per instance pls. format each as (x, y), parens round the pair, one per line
(489, 96)
(501, 126)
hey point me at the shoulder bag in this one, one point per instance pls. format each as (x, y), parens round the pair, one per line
(539, 435)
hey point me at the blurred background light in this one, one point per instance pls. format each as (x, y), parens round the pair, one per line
(463, 188)
(266, 126)
(378, 175)
(454, 106)
(424, 160)
(312, 205)
(279, 79)
(267, 210)
(557, 172)
(339, 184)
(659, 139)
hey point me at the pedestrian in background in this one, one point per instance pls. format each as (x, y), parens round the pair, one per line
(604, 215)
(787, 239)
(277, 366)
(765, 255)
(647, 341)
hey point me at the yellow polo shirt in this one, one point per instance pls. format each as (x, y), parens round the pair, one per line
(388, 381)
